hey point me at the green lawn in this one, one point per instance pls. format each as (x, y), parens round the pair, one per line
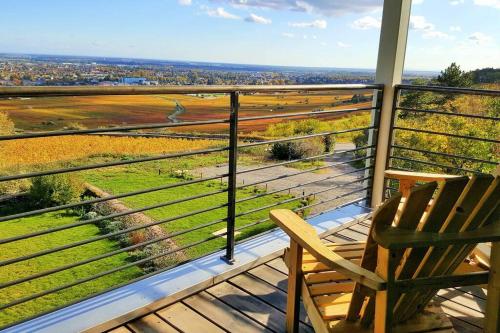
(116, 180)
(43, 263)
(135, 178)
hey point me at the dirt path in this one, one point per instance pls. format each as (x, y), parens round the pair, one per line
(138, 219)
(319, 176)
(179, 109)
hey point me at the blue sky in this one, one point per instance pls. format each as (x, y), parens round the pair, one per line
(325, 33)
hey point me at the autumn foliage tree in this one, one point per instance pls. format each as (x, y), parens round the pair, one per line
(441, 153)
(469, 151)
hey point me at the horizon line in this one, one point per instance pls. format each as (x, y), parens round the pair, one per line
(206, 62)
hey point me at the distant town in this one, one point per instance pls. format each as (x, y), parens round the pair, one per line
(45, 70)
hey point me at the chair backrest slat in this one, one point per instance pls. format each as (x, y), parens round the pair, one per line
(445, 200)
(486, 212)
(413, 208)
(460, 205)
(410, 303)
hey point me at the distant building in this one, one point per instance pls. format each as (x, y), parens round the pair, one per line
(134, 80)
(106, 83)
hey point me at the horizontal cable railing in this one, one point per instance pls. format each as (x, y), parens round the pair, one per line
(444, 130)
(167, 205)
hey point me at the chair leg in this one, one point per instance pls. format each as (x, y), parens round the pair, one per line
(492, 320)
(385, 300)
(294, 288)
(384, 307)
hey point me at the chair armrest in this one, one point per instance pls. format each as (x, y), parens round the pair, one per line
(303, 234)
(393, 238)
(417, 176)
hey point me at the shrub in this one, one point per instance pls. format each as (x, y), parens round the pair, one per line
(297, 149)
(329, 143)
(54, 190)
(14, 186)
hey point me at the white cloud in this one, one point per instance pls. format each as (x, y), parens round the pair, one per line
(456, 2)
(320, 24)
(221, 12)
(428, 30)
(479, 38)
(488, 3)
(435, 34)
(420, 23)
(257, 19)
(323, 7)
(184, 2)
(343, 45)
(304, 6)
(288, 35)
(366, 22)
(455, 28)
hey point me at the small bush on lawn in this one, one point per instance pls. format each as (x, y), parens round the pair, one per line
(52, 190)
(297, 149)
(360, 140)
(329, 143)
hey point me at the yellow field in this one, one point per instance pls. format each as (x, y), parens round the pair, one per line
(28, 152)
(50, 113)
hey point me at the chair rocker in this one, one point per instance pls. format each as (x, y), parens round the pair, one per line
(419, 242)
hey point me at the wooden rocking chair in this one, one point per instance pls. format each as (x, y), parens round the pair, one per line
(417, 244)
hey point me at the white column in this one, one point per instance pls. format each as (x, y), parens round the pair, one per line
(391, 55)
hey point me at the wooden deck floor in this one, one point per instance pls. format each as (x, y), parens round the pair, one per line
(254, 301)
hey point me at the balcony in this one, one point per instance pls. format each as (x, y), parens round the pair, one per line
(178, 238)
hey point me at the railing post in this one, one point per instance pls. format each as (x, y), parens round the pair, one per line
(372, 141)
(231, 184)
(390, 63)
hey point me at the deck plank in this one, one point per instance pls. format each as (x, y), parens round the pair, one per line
(355, 235)
(187, 320)
(254, 301)
(271, 276)
(150, 324)
(459, 311)
(360, 228)
(468, 300)
(337, 238)
(266, 292)
(225, 316)
(252, 307)
(121, 329)
(279, 265)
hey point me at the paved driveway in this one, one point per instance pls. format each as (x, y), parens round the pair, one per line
(323, 180)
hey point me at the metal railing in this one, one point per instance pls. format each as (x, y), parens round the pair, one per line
(233, 175)
(436, 121)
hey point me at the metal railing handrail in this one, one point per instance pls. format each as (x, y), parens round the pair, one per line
(49, 91)
(229, 148)
(449, 90)
(449, 161)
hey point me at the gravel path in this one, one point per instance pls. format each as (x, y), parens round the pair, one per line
(319, 176)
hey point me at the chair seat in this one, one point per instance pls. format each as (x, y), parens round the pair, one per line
(327, 294)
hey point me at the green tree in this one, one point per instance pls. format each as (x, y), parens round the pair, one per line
(52, 190)
(453, 76)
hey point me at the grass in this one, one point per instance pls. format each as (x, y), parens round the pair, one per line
(134, 178)
(117, 180)
(47, 262)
